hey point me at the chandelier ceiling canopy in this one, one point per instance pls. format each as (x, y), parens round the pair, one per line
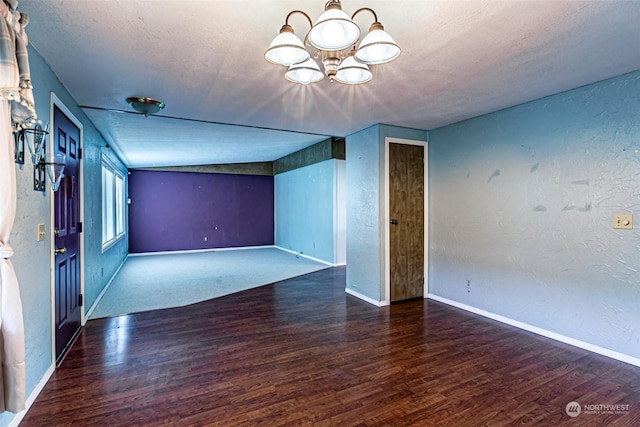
(333, 32)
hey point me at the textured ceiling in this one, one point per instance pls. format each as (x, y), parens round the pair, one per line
(204, 59)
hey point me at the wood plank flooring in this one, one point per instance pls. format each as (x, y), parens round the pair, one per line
(303, 353)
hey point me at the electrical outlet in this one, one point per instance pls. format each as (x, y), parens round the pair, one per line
(623, 221)
(468, 285)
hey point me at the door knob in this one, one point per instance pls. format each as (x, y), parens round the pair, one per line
(394, 222)
(60, 250)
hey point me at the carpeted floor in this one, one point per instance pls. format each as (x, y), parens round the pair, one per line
(155, 281)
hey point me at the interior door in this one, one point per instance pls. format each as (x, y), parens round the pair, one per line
(65, 139)
(406, 212)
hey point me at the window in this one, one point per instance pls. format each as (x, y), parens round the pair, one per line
(113, 199)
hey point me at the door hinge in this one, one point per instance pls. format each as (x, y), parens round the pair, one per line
(80, 227)
(80, 300)
(79, 153)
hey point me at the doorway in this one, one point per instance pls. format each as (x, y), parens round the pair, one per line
(66, 138)
(406, 219)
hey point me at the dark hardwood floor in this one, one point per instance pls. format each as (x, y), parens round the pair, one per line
(303, 353)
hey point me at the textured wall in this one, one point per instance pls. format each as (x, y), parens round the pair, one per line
(365, 207)
(363, 213)
(31, 259)
(181, 210)
(521, 207)
(305, 207)
(99, 266)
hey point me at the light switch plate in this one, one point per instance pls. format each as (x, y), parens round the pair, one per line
(623, 221)
(40, 232)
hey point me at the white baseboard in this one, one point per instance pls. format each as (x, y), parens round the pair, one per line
(555, 336)
(191, 251)
(366, 298)
(15, 422)
(104, 291)
(306, 256)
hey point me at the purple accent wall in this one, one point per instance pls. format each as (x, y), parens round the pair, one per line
(184, 210)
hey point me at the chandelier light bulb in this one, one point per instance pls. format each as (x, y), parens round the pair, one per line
(288, 56)
(377, 53)
(305, 76)
(333, 30)
(304, 73)
(377, 47)
(352, 72)
(286, 48)
(333, 33)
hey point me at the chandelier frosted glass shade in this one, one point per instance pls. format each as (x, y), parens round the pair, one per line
(377, 47)
(304, 73)
(333, 30)
(352, 72)
(286, 49)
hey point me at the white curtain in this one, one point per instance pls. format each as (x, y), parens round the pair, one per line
(16, 111)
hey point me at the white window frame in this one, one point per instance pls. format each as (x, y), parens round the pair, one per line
(112, 203)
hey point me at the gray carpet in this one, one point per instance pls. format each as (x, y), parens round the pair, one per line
(155, 281)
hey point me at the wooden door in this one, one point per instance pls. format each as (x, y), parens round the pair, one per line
(65, 138)
(406, 212)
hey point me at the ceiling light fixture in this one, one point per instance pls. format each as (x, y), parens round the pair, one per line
(332, 33)
(145, 106)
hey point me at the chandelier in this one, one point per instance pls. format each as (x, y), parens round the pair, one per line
(332, 33)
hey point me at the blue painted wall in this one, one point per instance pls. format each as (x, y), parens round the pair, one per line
(364, 214)
(365, 207)
(31, 258)
(522, 203)
(99, 266)
(305, 210)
